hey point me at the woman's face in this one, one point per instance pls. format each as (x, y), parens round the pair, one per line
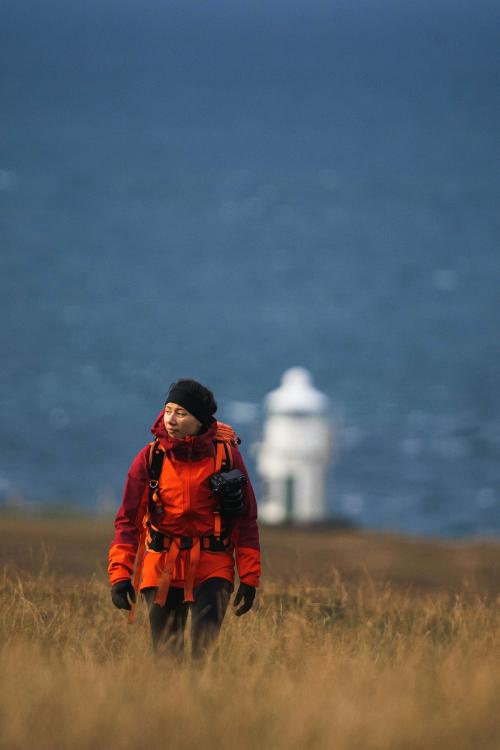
(179, 423)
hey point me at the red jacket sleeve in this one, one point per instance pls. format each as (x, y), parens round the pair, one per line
(128, 521)
(246, 533)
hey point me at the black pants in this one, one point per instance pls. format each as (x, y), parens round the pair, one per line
(168, 622)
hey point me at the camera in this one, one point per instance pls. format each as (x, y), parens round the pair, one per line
(227, 487)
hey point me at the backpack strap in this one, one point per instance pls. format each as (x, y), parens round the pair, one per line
(156, 456)
(225, 440)
(155, 463)
(223, 456)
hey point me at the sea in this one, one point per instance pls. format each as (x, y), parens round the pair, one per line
(222, 190)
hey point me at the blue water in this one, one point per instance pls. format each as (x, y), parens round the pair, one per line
(224, 190)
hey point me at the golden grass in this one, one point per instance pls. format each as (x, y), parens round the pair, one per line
(367, 653)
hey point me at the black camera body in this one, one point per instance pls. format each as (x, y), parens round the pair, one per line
(227, 487)
(226, 482)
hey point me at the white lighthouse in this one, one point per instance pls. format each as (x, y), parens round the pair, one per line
(295, 452)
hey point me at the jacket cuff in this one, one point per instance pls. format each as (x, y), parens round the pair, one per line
(248, 565)
(121, 562)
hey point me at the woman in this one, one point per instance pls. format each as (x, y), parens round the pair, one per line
(188, 514)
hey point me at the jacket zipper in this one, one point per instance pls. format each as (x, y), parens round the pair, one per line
(190, 455)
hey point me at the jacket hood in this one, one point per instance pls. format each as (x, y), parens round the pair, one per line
(196, 446)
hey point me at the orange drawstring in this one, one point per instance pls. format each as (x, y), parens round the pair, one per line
(167, 573)
(193, 560)
(138, 570)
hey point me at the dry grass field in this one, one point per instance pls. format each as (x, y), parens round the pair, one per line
(359, 642)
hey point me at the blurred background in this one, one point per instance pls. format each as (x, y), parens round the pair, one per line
(222, 190)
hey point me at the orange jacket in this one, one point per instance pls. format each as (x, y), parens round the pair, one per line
(188, 510)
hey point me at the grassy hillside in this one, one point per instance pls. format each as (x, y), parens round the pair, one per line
(359, 642)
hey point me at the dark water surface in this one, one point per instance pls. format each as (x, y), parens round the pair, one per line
(223, 190)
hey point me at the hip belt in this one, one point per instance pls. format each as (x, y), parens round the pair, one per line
(159, 541)
(172, 545)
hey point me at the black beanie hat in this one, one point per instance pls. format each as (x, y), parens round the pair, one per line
(194, 397)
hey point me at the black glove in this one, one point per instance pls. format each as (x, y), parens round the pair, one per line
(247, 593)
(120, 592)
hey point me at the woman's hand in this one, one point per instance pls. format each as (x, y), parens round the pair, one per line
(247, 593)
(120, 592)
